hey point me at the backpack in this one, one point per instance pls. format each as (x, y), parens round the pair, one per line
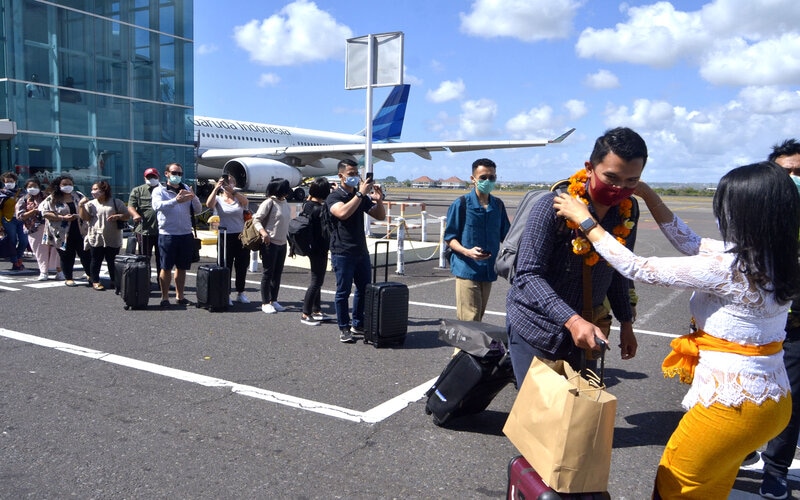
(506, 262)
(301, 233)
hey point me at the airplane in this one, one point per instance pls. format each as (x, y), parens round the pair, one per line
(255, 153)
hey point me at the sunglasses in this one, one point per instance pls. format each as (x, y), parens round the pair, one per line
(175, 173)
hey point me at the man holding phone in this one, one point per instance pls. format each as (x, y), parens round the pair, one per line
(349, 254)
(476, 224)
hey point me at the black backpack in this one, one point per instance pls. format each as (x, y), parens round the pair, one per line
(301, 233)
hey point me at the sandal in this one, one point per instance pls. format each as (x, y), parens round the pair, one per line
(69, 282)
(98, 286)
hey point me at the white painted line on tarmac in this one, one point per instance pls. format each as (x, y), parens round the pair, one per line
(9, 289)
(377, 414)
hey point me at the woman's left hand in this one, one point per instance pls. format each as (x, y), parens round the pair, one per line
(571, 208)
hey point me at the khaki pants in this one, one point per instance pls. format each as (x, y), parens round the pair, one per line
(471, 299)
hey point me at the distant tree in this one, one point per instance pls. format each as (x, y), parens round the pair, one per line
(390, 180)
(407, 183)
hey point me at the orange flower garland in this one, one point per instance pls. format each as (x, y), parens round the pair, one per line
(581, 245)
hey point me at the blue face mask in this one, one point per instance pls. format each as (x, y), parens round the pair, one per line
(175, 179)
(352, 181)
(796, 180)
(485, 186)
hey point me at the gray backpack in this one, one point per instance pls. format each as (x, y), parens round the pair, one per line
(506, 262)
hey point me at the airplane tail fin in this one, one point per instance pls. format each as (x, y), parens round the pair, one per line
(388, 121)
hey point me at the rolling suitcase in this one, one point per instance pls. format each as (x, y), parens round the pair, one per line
(386, 308)
(524, 483)
(214, 280)
(132, 280)
(468, 384)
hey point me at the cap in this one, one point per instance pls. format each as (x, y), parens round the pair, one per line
(151, 171)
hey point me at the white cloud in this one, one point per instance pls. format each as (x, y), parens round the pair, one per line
(733, 42)
(526, 20)
(206, 48)
(576, 109)
(603, 79)
(268, 80)
(656, 35)
(773, 61)
(706, 143)
(477, 118)
(447, 91)
(297, 34)
(769, 100)
(530, 123)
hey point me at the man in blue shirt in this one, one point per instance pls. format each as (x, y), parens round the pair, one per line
(173, 203)
(476, 224)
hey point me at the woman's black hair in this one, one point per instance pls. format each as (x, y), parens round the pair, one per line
(55, 184)
(758, 209)
(33, 180)
(319, 188)
(278, 187)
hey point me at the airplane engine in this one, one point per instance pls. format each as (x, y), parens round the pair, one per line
(253, 174)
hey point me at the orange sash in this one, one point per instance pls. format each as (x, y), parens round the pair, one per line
(686, 353)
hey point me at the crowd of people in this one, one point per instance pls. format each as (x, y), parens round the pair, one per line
(576, 257)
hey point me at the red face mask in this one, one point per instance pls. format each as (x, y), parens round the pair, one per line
(606, 194)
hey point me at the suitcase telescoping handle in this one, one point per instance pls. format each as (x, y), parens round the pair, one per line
(223, 247)
(385, 263)
(603, 346)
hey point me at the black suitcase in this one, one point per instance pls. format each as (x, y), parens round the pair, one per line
(468, 384)
(214, 280)
(132, 280)
(385, 308)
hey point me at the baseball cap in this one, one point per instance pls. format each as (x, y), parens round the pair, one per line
(151, 171)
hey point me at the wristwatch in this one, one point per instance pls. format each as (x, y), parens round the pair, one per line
(359, 194)
(587, 225)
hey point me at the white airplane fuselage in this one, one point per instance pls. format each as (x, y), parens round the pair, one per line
(263, 146)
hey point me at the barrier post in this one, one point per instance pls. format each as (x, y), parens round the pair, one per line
(424, 225)
(442, 243)
(401, 236)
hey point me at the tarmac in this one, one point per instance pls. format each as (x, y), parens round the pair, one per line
(100, 402)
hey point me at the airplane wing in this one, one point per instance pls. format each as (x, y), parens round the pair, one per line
(381, 150)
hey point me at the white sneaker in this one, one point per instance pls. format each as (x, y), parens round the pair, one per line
(309, 321)
(230, 302)
(278, 307)
(60, 276)
(242, 298)
(268, 309)
(42, 277)
(320, 317)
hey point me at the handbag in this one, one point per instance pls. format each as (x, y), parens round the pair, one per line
(250, 237)
(564, 426)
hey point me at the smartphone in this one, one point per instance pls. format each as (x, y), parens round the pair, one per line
(226, 177)
(369, 177)
(485, 252)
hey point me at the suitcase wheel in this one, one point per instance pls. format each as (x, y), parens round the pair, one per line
(126, 307)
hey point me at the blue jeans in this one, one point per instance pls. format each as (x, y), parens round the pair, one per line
(350, 269)
(780, 450)
(522, 354)
(16, 231)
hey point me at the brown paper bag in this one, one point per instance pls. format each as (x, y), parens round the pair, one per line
(564, 427)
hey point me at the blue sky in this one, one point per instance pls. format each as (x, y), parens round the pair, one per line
(709, 86)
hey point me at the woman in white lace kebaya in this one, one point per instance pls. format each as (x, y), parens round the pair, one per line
(739, 396)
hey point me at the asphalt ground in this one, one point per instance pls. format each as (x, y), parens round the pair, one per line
(99, 402)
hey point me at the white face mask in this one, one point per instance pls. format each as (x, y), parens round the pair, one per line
(67, 189)
(33, 191)
(10, 185)
(153, 182)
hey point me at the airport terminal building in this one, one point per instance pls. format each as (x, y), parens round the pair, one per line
(98, 89)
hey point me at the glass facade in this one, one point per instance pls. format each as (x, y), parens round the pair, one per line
(98, 89)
